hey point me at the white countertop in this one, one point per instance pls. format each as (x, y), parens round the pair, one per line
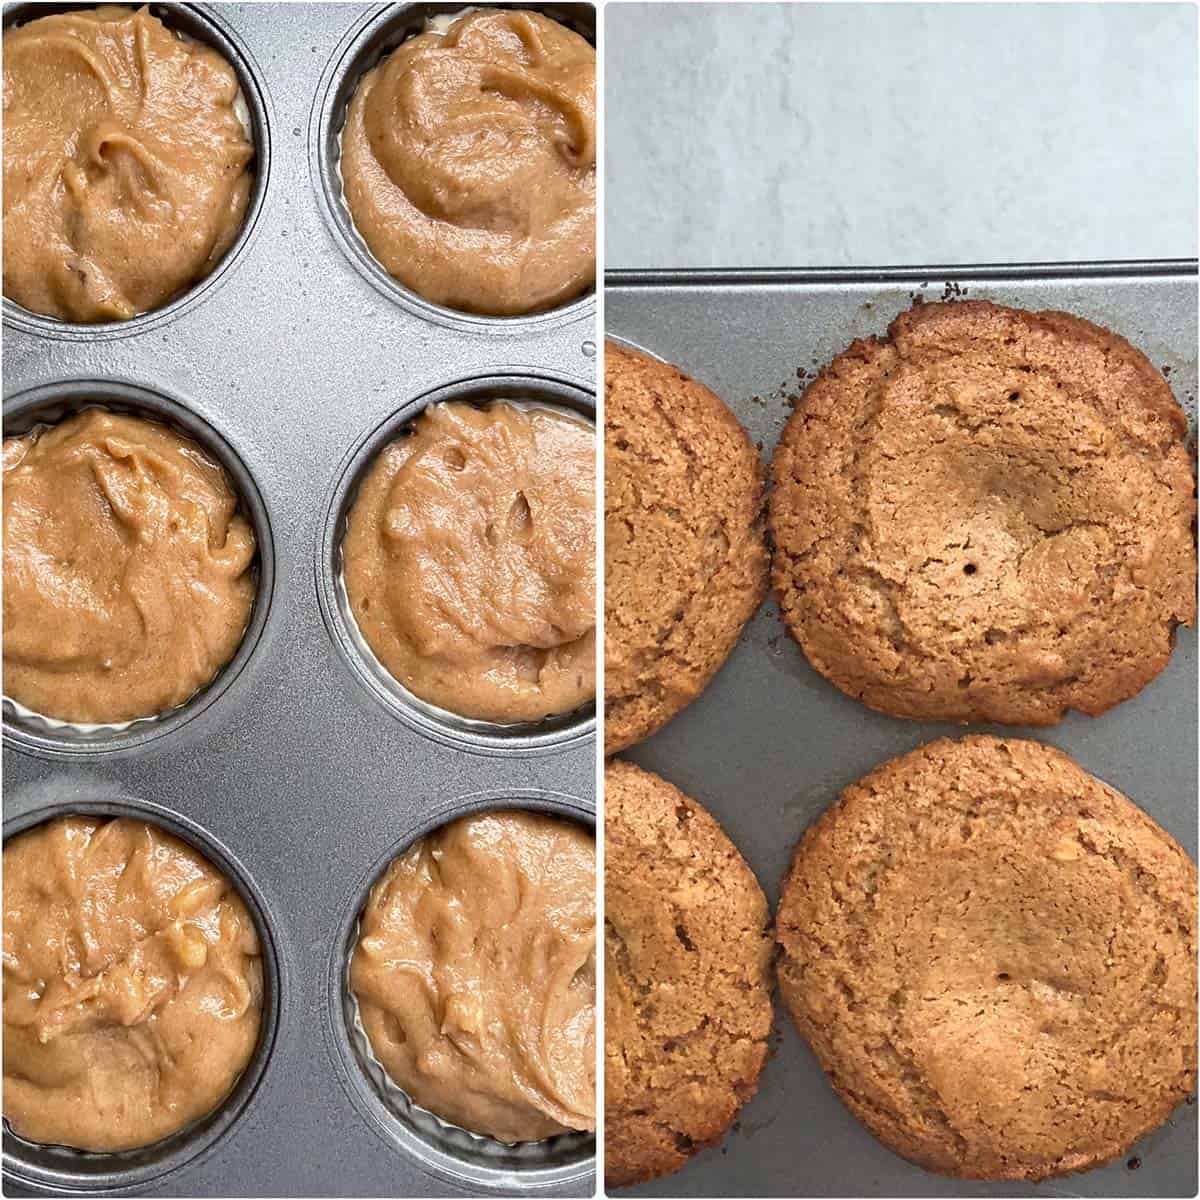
(867, 134)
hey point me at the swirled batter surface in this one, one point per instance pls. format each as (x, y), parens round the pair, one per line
(469, 163)
(475, 973)
(127, 568)
(132, 984)
(469, 560)
(125, 163)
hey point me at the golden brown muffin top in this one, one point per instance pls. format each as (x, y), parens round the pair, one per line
(993, 956)
(685, 564)
(686, 977)
(986, 516)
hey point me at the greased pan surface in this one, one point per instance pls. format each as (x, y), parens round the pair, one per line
(770, 744)
(294, 772)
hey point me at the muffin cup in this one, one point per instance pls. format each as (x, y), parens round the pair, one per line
(447, 1151)
(367, 43)
(525, 738)
(202, 24)
(52, 403)
(64, 1169)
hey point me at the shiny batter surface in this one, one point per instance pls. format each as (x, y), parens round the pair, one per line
(469, 163)
(127, 568)
(125, 163)
(475, 974)
(469, 560)
(132, 984)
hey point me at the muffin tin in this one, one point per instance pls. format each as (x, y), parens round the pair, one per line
(770, 744)
(299, 771)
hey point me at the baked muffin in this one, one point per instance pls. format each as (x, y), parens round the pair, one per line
(126, 163)
(685, 564)
(686, 977)
(986, 516)
(993, 956)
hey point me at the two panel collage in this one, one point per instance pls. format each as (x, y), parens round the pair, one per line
(379, 821)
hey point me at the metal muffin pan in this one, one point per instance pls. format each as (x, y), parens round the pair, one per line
(770, 744)
(287, 770)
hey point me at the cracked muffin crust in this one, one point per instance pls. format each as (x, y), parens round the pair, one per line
(986, 516)
(687, 977)
(685, 562)
(133, 984)
(993, 956)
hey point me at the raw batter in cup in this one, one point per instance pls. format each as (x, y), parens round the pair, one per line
(127, 568)
(469, 560)
(475, 973)
(125, 163)
(469, 163)
(133, 984)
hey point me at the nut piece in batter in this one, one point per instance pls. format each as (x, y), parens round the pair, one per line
(125, 163)
(132, 984)
(127, 568)
(475, 974)
(469, 163)
(469, 560)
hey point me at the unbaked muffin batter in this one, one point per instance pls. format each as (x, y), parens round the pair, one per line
(127, 568)
(469, 560)
(125, 163)
(469, 162)
(475, 974)
(132, 984)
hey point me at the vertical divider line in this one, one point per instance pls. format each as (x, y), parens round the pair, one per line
(601, 115)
